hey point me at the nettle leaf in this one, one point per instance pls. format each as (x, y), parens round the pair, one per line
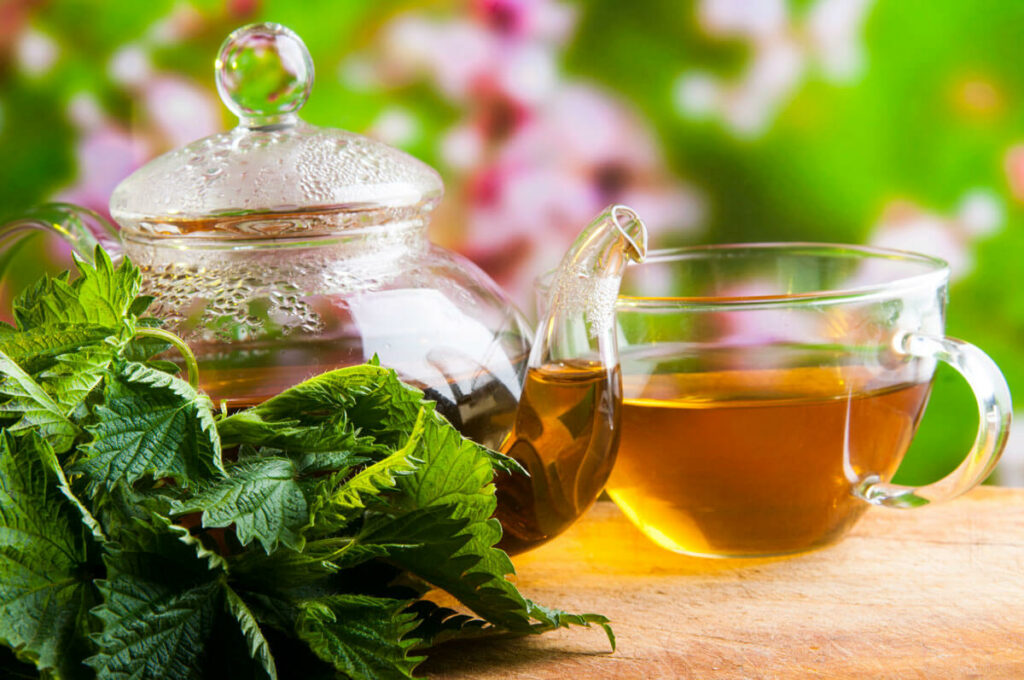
(259, 648)
(437, 624)
(272, 584)
(161, 605)
(384, 537)
(550, 619)
(108, 294)
(261, 497)
(456, 474)
(203, 547)
(328, 461)
(37, 345)
(362, 636)
(47, 302)
(337, 504)
(45, 594)
(49, 459)
(75, 375)
(331, 432)
(101, 295)
(38, 412)
(350, 408)
(382, 405)
(456, 477)
(152, 629)
(151, 423)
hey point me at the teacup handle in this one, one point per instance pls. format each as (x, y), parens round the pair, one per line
(994, 409)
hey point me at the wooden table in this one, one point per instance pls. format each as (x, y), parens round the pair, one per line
(936, 592)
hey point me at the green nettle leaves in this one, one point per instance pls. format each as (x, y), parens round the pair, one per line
(259, 648)
(362, 636)
(152, 630)
(45, 592)
(150, 424)
(261, 497)
(364, 407)
(75, 375)
(100, 296)
(38, 345)
(144, 536)
(35, 409)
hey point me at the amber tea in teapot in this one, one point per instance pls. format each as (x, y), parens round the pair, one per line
(563, 440)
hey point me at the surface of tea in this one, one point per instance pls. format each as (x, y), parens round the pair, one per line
(757, 462)
(565, 435)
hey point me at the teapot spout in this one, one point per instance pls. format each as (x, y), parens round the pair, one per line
(578, 320)
(566, 427)
(69, 222)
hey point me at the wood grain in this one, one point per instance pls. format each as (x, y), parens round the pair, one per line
(936, 592)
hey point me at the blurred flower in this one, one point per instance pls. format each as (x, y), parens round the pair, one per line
(1013, 164)
(464, 57)
(105, 155)
(537, 19)
(782, 50)
(394, 126)
(36, 52)
(173, 112)
(833, 31)
(183, 22)
(506, 46)
(180, 111)
(905, 226)
(572, 157)
(754, 18)
(129, 66)
(538, 156)
(978, 97)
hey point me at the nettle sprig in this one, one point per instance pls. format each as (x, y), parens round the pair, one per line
(144, 534)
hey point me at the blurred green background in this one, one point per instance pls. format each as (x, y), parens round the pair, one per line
(894, 122)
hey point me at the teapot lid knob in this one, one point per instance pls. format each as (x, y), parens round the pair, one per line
(264, 74)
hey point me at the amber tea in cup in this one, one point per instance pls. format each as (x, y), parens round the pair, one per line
(771, 397)
(735, 438)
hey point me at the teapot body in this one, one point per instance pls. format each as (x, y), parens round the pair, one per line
(263, 314)
(261, 317)
(279, 250)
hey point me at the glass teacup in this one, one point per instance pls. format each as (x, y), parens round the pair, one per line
(771, 391)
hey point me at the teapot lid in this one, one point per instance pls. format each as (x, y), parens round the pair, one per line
(273, 176)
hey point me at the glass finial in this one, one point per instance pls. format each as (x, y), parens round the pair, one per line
(264, 74)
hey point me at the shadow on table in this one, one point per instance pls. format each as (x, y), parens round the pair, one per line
(501, 657)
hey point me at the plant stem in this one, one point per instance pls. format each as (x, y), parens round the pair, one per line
(190, 359)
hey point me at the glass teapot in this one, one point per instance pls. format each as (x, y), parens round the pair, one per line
(279, 250)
